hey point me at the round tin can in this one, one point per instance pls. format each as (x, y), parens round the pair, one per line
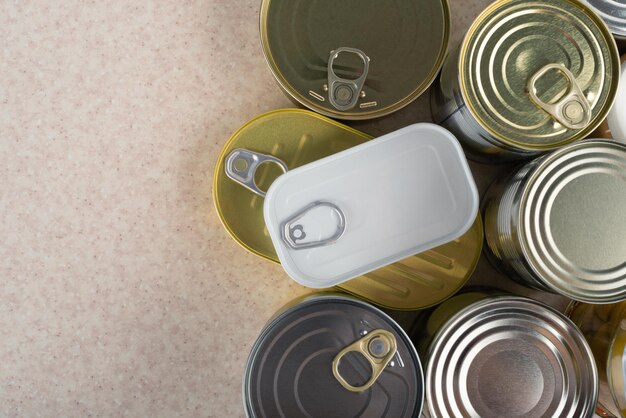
(298, 137)
(614, 15)
(333, 356)
(558, 223)
(614, 127)
(604, 327)
(354, 59)
(506, 356)
(529, 77)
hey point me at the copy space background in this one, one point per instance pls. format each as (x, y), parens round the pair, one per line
(120, 292)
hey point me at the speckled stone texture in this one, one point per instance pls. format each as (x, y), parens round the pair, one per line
(120, 292)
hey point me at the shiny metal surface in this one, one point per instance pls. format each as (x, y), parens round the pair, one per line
(298, 137)
(405, 40)
(505, 356)
(289, 371)
(613, 12)
(483, 94)
(558, 223)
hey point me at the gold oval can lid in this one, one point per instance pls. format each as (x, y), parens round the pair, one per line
(354, 59)
(297, 137)
(539, 74)
(573, 222)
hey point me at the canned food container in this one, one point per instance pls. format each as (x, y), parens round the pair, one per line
(506, 356)
(604, 327)
(354, 59)
(558, 223)
(333, 356)
(297, 137)
(529, 77)
(614, 15)
(614, 127)
(371, 205)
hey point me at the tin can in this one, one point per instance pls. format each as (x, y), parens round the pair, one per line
(529, 77)
(298, 137)
(558, 223)
(497, 356)
(614, 15)
(354, 59)
(604, 327)
(614, 126)
(333, 356)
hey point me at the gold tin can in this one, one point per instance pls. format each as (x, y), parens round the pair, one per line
(354, 59)
(529, 77)
(558, 222)
(604, 327)
(298, 137)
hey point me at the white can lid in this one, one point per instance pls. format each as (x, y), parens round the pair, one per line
(353, 212)
(617, 115)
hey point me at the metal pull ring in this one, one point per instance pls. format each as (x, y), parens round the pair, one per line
(241, 166)
(344, 93)
(318, 217)
(573, 111)
(378, 347)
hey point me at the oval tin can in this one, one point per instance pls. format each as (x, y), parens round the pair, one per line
(529, 77)
(604, 327)
(558, 223)
(614, 15)
(298, 137)
(354, 59)
(505, 356)
(317, 358)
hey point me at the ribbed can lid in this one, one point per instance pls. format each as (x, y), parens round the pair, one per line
(539, 74)
(510, 356)
(613, 12)
(573, 221)
(354, 59)
(290, 369)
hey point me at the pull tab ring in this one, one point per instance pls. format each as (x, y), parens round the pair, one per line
(378, 347)
(293, 232)
(241, 165)
(343, 93)
(573, 111)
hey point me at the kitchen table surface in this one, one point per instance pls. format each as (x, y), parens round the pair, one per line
(121, 293)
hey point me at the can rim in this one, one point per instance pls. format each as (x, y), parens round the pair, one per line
(293, 94)
(320, 298)
(219, 166)
(526, 202)
(441, 338)
(582, 133)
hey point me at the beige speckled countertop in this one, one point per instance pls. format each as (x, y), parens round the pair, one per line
(120, 292)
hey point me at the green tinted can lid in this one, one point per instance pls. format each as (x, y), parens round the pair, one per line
(305, 363)
(573, 223)
(539, 74)
(612, 12)
(354, 59)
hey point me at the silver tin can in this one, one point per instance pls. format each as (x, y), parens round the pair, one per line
(507, 356)
(317, 357)
(529, 77)
(558, 223)
(614, 15)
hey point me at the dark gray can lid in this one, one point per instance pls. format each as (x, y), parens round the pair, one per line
(289, 371)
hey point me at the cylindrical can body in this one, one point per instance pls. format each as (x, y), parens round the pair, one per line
(354, 60)
(496, 356)
(558, 223)
(529, 77)
(604, 327)
(294, 369)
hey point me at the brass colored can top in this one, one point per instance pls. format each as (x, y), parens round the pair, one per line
(354, 59)
(539, 74)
